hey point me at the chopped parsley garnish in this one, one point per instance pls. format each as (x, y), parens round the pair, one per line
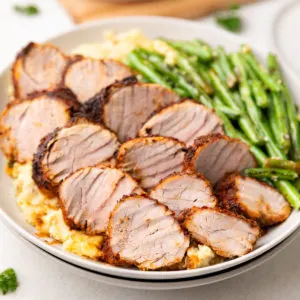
(8, 281)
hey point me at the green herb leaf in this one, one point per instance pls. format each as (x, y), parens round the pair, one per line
(231, 23)
(235, 6)
(8, 281)
(29, 10)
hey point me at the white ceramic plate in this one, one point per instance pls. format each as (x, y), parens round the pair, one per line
(167, 284)
(152, 27)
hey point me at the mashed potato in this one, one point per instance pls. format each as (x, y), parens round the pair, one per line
(117, 46)
(44, 213)
(200, 256)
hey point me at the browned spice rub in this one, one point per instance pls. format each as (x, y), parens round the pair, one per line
(125, 106)
(144, 233)
(228, 234)
(80, 144)
(214, 155)
(150, 159)
(254, 199)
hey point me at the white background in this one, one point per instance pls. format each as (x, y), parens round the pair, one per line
(41, 278)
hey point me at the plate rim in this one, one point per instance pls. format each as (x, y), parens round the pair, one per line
(160, 285)
(129, 273)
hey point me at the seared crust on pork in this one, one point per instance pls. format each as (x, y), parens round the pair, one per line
(185, 121)
(144, 233)
(89, 195)
(93, 108)
(67, 149)
(215, 155)
(181, 191)
(150, 159)
(228, 234)
(38, 68)
(24, 123)
(86, 76)
(254, 199)
(125, 106)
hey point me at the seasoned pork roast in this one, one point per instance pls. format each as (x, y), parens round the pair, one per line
(144, 233)
(151, 159)
(215, 155)
(229, 235)
(125, 106)
(24, 123)
(86, 77)
(184, 121)
(89, 195)
(37, 68)
(82, 144)
(183, 191)
(254, 199)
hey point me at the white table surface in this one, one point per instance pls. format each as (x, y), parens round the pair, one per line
(41, 278)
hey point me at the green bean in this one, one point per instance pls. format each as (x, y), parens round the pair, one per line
(223, 92)
(280, 120)
(292, 122)
(282, 164)
(225, 109)
(226, 67)
(273, 174)
(260, 71)
(202, 51)
(289, 192)
(259, 93)
(137, 63)
(273, 67)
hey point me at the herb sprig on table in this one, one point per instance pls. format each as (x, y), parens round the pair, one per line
(29, 10)
(230, 19)
(8, 281)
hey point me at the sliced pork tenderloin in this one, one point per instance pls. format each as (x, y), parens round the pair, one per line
(215, 155)
(86, 77)
(184, 121)
(144, 233)
(24, 123)
(125, 106)
(229, 235)
(89, 195)
(70, 148)
(38, 68)
(183, 191)
(254, 199)
(150, 159)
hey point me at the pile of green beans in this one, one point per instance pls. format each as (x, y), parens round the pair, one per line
(252, 100)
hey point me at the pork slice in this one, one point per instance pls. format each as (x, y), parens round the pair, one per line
(215, 155)
(150, 159)
(89, 195)
(184, 121)
(144, 233)
(254, 199)
(86, 77)
(69, 149)
(183, 191)
(125, 106)
(37, 68)
(24, 123)
(229, 235)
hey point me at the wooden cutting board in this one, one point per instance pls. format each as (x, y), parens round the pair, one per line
(84, 10)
